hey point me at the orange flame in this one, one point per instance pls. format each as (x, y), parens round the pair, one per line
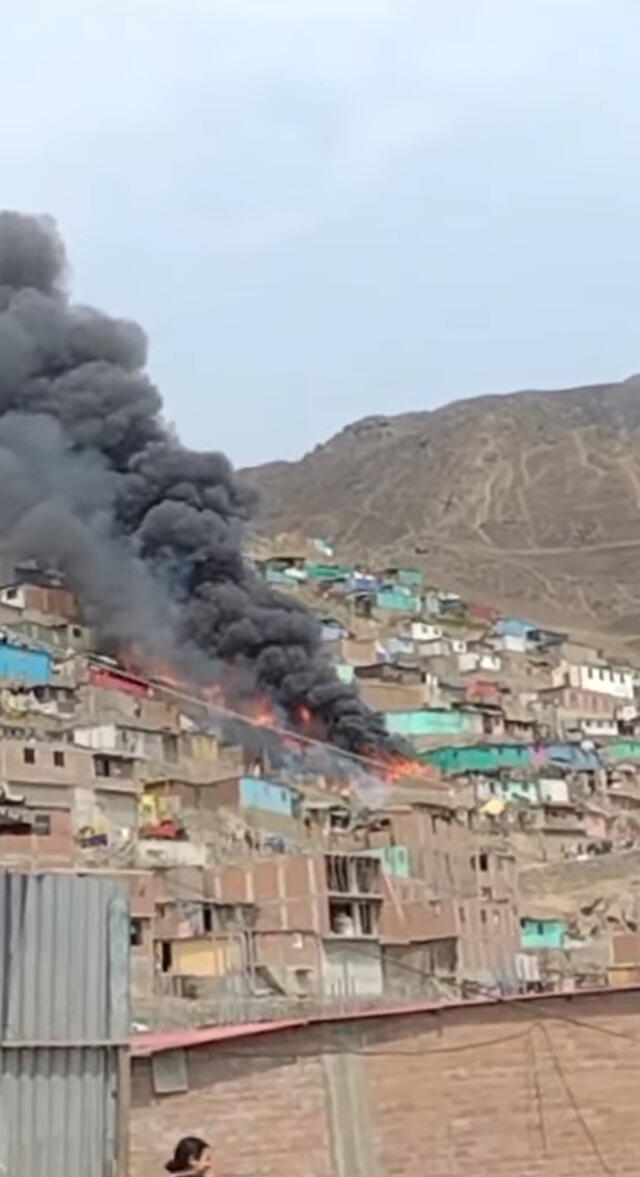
(393, 768)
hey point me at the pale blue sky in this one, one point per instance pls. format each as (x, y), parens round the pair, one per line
(323, 209)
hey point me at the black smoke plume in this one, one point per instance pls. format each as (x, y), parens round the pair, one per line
(148, 533)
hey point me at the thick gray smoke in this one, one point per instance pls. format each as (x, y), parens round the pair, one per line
(148, 533)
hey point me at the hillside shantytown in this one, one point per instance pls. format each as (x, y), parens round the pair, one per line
(498, 863)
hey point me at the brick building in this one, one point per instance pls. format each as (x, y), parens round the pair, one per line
(543, 1087)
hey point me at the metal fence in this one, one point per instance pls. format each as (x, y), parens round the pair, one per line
(64, 1026)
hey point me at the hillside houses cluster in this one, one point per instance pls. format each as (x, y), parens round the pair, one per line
(259, 882)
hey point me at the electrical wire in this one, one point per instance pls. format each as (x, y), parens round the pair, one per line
(369, 1052)
(593, 1144)
(514, 1002)
(379, 766)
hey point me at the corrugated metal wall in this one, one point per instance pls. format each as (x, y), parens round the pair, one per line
(64, 1021)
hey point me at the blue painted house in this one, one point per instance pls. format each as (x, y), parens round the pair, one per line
(513, 627)
(257, 793)
(24, 665)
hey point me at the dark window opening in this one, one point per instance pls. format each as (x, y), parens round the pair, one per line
(483, 861)
(483, 916)
(58, 759)
(102, 766)
(170, 748)
(337, 869)
(29, 755)
(207, 918)
(339, 819)
(135, 932)
(42, 824)
(341, 919)
(166, 956)
(366, 872)
(367, 919)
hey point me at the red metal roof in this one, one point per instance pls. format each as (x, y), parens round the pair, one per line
(153, 1042)
(143, 1045)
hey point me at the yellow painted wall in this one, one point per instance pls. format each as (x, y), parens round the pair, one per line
(205, 957)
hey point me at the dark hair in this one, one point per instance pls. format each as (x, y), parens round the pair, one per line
(189, 1149)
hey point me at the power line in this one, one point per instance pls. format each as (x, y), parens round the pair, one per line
(482, 991)
(574, 1104)
(284, 733)
(369, 1052)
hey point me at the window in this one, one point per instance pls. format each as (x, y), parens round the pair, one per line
(483, 916)
(135, 932)
(367, 919)
(101, 766)
(540, 929)
(166, 957)
(29, 755)
(207, 918)
(483, 862)
(58, 759)
(42, 825)
(169, 1072)
(170, 748)
(11, 594)
(76, 631)
(462, 915)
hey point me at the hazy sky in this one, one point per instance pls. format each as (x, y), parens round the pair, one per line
(323, 209)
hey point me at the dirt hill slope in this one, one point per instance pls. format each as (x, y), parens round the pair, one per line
(530, 500)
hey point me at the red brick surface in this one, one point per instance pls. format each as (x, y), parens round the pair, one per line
(544, 1089)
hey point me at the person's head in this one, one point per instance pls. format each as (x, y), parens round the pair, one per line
(192, 1155)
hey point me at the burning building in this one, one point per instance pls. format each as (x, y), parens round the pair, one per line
(148, 534)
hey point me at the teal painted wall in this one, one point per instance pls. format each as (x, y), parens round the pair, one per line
(345, 672)
(411, 577)
(479, 757)
(327, 571)
(399, 599)
(517, 791)
(623, 750)
(396, 861)
(277, 576)
(430, 722)
(542, 933)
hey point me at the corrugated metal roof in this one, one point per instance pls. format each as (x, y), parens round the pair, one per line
(64, 960)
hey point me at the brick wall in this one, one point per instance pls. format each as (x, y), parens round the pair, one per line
(526, 1089)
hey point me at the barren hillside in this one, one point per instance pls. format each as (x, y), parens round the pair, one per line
(530, 500)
